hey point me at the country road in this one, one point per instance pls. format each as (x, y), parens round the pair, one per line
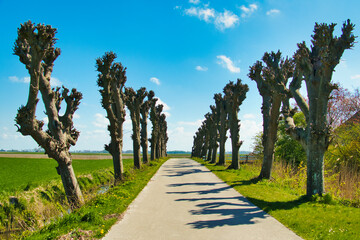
(184, 200)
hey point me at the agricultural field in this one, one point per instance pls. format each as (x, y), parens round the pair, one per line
(22, 173)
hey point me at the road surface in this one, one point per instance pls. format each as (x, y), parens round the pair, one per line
(184, 200)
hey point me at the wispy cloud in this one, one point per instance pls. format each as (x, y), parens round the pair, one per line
(100, 121)
(248, 11)
(225, 20)
(55, 82)
(196, 123)
(200, 68)
(205, 14)
(194, 1)
(166, 107)
(155, 80)
(22, 80)
(355, 77)
(273, 12)
(226, 62)
(221, 20)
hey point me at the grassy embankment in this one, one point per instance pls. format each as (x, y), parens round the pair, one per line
(283, 198)
(42, 200)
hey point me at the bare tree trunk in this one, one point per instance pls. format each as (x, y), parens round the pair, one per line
(271, 120)
(315, 166)
(36, 50)
(111, 81)
(214, 153)
(144, 143)
(70, 183)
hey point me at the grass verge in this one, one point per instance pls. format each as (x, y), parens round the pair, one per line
(318, 218)
(96, 217)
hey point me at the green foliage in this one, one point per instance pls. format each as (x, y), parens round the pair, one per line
(288, 149)
(258, 148)
(345, 147)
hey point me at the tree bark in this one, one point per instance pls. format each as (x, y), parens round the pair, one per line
(70, 183)
(271, 122)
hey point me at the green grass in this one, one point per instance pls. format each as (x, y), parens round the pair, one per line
(98, 215)
(320, 218)
(17, 173)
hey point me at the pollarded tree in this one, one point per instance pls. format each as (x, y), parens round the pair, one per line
(133, 102)
(199, 140)
(35, 48)
(209, 132)
(144, 111)
(234, 95)
(154, 122)
(205, 146)
(271, 81)
(163, 137)
(315, 66)
(214, 135)
(111, 80)
(223, 125)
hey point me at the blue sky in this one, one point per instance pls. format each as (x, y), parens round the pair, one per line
(184, 50)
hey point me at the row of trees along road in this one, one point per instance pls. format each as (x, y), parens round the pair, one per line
(314, 66)
(223, 117)
(35, 48)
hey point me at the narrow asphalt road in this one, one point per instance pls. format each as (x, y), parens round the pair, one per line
(184, 200)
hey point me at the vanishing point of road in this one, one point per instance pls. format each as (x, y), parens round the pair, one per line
(184, 200)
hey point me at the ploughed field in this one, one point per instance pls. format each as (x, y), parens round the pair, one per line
(21, 171)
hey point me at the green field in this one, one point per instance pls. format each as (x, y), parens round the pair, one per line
(17, 173)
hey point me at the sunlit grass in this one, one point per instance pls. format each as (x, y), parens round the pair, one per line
(317, 218)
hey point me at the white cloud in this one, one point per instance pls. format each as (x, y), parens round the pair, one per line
(200, 68)
(166, 107)
(227, 63)
(249, 116)
(205, 14)
(76, 116)
(221, 20)
(55, 82)
(194, 1)
(196, 123)
(100, 121)
(273, 12)
(247, 11)
(155, 80)
(248, 129)
(355, 77)
(225, 20)
(22, 80)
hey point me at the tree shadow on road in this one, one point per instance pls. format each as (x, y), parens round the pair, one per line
(194, 184)
(183, 173)
(203, 192)
(240, 212)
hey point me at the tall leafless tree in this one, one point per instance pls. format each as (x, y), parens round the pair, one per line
(223, 125)
(234, 94)
(271, 81)
(315, 66)
(133, 101)
(35, 48)
(144, 111)
(111, 80)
